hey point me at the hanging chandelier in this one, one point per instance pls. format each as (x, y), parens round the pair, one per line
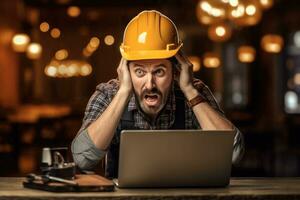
(229, 14)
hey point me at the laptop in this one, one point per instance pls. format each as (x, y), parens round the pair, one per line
(175, 158)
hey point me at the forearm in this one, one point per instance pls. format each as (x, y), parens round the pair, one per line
(102, 130)
(210, 119)
(207, 116)
(85, 154)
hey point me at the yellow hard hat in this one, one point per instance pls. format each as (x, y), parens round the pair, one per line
(150, 35)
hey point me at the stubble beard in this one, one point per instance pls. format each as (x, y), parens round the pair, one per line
(152, 111)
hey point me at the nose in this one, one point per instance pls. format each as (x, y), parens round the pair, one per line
(150, 82)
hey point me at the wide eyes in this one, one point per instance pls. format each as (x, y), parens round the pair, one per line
(159, 72)
(139, 72)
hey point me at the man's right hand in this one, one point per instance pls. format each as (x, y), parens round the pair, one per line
(124, 77)
(102, 130)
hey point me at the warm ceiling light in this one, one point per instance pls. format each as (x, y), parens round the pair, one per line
(195, 60)
(73, 70)
(266, 4)
(62, 70)
(73, 11)
(20, 42)
(208, 14)
(44, 27)
(219, 32)
(109, 40)
(85, 70)
(211, 60)
(34, 48)
(233, 3)
(86, 53)
(61, 54)
(216, 12)
(250, 10)
(68, 68)
(34, 51)
(55, 33)
(205, 6)
(253, 16)
(272, 43)
(206, 20)
(241, 12)
(201, 13)
(51, 71)
(90, 49)
(211, 10)
(94, 42)
(237, 12)
(246, 54)
(245, 14)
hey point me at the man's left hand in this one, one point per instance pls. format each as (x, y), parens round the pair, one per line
(186, 75)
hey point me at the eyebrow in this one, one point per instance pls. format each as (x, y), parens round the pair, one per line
(161, 65)
(158, 65)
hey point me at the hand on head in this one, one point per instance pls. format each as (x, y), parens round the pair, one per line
(185, 78)
(124, 76)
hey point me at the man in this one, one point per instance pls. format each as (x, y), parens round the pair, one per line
(155, 89)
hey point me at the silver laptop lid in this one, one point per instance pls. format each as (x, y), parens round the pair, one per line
(175, 158)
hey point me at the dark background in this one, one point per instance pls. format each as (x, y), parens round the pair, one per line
(271, 134)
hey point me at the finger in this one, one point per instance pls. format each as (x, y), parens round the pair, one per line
(179, 58)
(120, 64)
(182, 59)
(183, 55)
(124, 63)
(185, 61)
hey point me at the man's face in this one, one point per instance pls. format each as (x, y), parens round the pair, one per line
(151, 81)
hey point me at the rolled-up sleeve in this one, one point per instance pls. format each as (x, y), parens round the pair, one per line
(85, 154)
(238, 146)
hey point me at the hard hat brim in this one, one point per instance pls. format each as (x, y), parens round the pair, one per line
(149, 54)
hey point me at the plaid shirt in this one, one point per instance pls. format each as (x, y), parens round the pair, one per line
(86, 155)
(106, 91)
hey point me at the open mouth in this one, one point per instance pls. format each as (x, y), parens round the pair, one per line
(151, 99)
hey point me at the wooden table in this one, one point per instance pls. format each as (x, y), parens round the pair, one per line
(240, 188)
